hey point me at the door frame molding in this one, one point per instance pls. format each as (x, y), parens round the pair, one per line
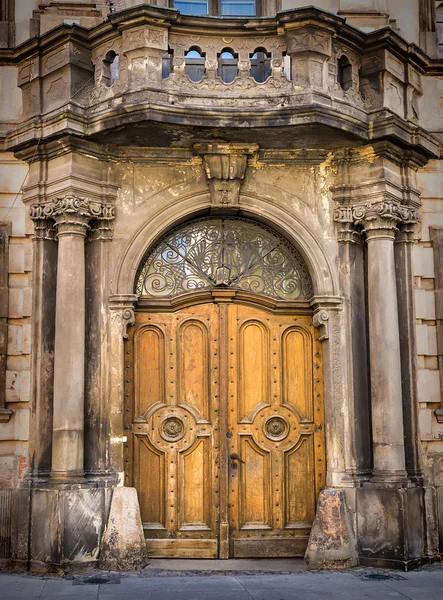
(328, 308)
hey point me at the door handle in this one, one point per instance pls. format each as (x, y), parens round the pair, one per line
(233, 458)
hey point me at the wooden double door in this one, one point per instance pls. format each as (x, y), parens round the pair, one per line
(226, 450)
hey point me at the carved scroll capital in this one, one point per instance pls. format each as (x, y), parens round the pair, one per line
(44, 229)
(385, 215)
(73, 205)
(71, 214)
(225, 168)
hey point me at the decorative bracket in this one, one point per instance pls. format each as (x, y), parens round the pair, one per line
(323, 307)
(124, 304)
(320, 320)
(225, 168)
(5, 415)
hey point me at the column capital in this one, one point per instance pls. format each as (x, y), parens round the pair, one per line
(378, 219)
(72, 213)
(44, 229)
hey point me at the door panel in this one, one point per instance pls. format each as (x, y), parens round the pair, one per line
(253, 357)
(227, 445)
(276, 433)
(175, 430)
(297, 371)
(193, 380)
(150, 369)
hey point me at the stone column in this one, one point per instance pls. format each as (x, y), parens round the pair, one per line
(44, 276)
(405, 295)
(384, 344)
(97, 407)
(72, 216)
(69, 352)
(352, 284)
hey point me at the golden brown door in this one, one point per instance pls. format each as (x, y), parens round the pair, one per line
(226, 412)
(174, 421)
(276, 452)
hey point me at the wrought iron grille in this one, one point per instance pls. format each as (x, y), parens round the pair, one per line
(224, 252)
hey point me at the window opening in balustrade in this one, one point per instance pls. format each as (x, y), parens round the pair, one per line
(225, 8)
(286, 66)
(238, 8)
(227, 65)
(192, 7)
(110, 68)
(195, 64)
(260, 65)
(167, 63)
(344, 73)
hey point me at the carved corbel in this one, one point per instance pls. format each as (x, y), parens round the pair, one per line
(123, 306)
(320, 320)
(324, 308)
(225, 168)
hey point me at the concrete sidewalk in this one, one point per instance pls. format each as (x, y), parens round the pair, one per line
(239, 580)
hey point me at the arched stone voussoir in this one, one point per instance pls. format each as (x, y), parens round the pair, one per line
(293, 226)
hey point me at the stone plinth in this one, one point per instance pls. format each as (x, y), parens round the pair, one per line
(390, 527)
(332, 544)
(123, 543)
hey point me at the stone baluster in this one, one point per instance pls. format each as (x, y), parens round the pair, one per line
(380, 224)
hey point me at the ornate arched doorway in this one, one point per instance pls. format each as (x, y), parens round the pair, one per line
(224, 394)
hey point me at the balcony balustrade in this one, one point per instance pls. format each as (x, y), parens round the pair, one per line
(154, 69)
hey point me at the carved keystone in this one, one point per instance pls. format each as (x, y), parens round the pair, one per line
(225, 167)
(332, 544)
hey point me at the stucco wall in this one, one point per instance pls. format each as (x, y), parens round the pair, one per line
(15, 434)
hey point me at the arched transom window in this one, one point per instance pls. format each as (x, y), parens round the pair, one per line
(224, 252)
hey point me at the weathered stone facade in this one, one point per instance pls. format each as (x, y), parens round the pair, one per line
(104, 151)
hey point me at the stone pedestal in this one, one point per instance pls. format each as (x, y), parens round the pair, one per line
(123, 544)
(52, 530)
(332, 544)
(390, 526)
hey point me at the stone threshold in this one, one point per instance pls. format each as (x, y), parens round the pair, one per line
(236, 565)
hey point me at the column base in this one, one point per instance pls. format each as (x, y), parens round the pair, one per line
(391, 530)
(53, 529)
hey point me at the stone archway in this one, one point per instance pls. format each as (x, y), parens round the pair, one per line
(224, 394)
